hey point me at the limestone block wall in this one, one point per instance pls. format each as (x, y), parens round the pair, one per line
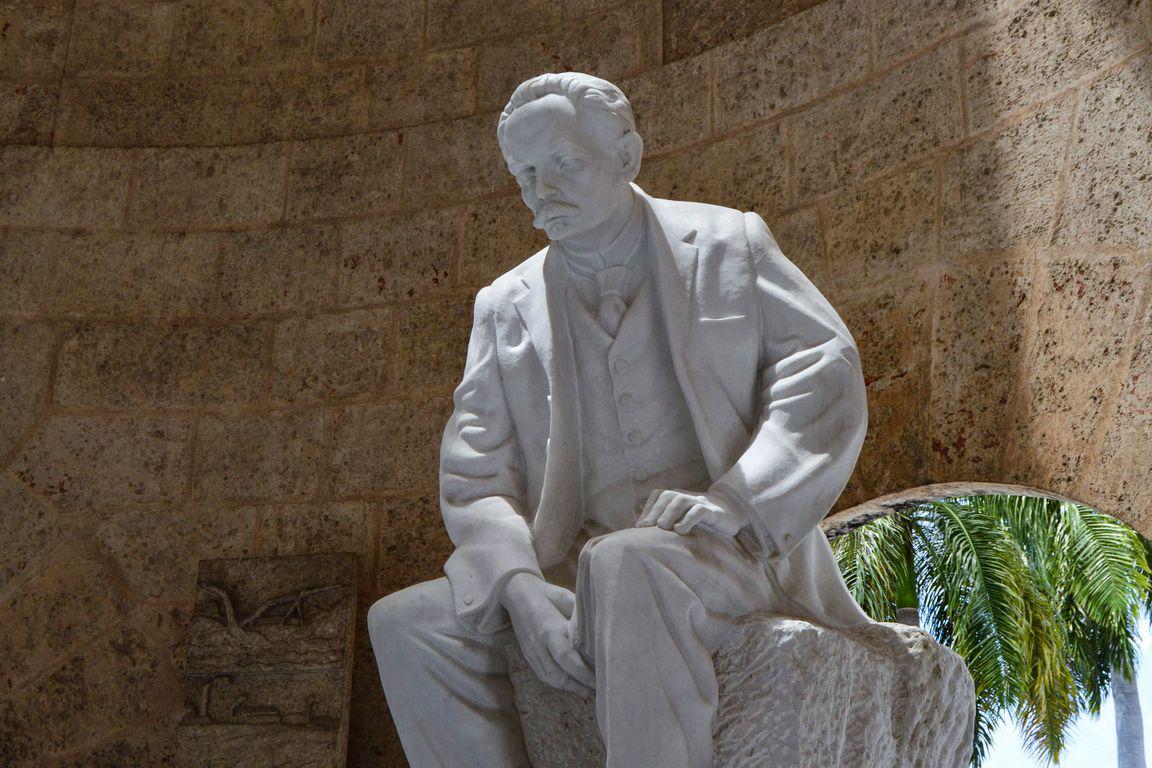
(239, 244)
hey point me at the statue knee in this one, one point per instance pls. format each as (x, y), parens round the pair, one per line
(608, 554)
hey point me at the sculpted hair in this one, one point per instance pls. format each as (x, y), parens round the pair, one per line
(584, 91)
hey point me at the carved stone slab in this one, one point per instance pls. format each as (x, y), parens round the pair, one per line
(269, 670)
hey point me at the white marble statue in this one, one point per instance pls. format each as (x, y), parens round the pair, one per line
(656, 411)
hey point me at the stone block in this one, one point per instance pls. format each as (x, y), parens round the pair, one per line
(421, 89)
(1086, 307)
(35, 38)
(1109, 197)
(359, 29)
(1001, 192)
(895, 451)
(336, 355)
(157, 547)
(798, 235)
(777, 69)
(495, 236)
(71, 600)
(84, 461)
(797, 694)
(388, 447)
(397, 257)
(906, 114)
(262, 456)
(994, 303)
(347, 176)
(891, 326)
(413, 543)
(454, 161)
(672, 104)
(161, 365)
(32, 529)
(63, 187)
(459, 22)
(105, 274)
(300, 105)
(882, 231)
(748, 171)
(25, 359)
(119, 38)
(307, 529)
(1044, 47)
(284, 269)
(270, 662)
(905, 27)
(431, 342)
(212, 36)
(27, 111)
(210, 187)
(607, 47)
(695, 26)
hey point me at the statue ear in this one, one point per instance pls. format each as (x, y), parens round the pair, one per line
(630, 148)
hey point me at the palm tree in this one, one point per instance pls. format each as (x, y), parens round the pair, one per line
(1040, 597)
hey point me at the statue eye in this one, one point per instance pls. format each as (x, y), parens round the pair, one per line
(570, 165)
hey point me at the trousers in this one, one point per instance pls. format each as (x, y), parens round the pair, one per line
(650, 607)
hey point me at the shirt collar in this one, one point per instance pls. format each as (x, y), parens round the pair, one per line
(616, 253)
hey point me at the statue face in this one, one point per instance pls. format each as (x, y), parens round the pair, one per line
(571, 173)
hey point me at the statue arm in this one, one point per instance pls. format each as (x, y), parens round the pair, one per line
(814, 410)
(482, 486)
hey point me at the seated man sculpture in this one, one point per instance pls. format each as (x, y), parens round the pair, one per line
(656, 411)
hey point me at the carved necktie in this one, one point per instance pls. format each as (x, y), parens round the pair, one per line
(612, 306)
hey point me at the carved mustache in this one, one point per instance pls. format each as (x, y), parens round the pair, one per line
(552, 209)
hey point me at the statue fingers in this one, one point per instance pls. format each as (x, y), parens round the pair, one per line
(690, 519)
(657, 508)
(675, 509)
(574, 665)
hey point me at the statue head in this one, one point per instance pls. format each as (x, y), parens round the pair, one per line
(570, 140)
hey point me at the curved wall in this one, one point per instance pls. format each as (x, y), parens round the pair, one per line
(239, 243)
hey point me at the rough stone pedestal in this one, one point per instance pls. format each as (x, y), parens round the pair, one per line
(795, 695)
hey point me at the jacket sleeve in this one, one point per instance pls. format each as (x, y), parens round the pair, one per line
(482, 486)
(813, 408)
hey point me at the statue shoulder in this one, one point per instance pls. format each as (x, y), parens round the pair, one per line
(714, 225)
(511, 283)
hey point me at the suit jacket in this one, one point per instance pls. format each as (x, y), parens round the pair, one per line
(772, 379)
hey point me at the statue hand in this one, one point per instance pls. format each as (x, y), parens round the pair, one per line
(681, 511)
(540, 613)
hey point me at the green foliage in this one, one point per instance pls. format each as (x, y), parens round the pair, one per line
(1040, 597)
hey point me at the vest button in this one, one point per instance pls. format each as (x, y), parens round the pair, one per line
(467, 599)
(626, 399)
(635, 437)
(620, 365)
(639, 474)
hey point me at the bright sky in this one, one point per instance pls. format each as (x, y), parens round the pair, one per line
(1092, 743)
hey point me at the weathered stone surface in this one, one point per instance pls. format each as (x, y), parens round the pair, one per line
(995, 303)
(279, 454)
(421, 89)
(495, 236)
(284, 269)
(398, 257)
(236, 35)
(354, 29)
(1001, 192)
(672, 104)
(32, 528)
(161, 365)
(1045, 47)
(798, 235)
(212, 187)
(270, 662)
(891, 121)
(907, 26)
(772, 70)
(694, 26)
(453, 161)
(1109, 198)
(886, 695)
(757, 179)
(332, 355)
(35, 38)
(345, 176)
(388, 447)
(63, 187)
(894, 454)
(25, 359)
(27, 111)
(458, 22)
(413, 543)
(882, 231)
(118, 37)
(301, 529)
(96, 460)
(47, 273)
(891, 326)
(431, 341)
